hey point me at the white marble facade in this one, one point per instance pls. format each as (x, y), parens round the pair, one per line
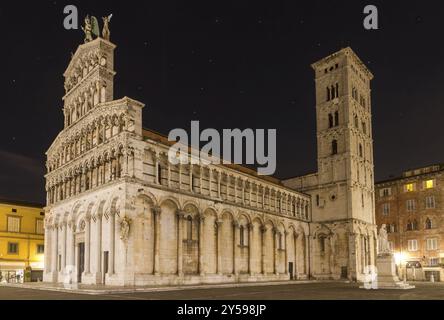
(119, 214)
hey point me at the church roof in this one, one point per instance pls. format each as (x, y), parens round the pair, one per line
(161, 138)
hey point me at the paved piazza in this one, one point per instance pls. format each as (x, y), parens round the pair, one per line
(311, 291)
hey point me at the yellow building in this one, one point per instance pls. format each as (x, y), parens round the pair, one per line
(21, 241)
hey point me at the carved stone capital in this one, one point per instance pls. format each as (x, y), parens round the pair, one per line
(156, 210)
(180, 214)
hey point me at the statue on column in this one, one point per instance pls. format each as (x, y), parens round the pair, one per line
(106, 33)
(383, 240)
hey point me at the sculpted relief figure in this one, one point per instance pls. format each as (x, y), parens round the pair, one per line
(124, 228)
(383, 240)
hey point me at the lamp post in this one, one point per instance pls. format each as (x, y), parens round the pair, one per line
(399, 259)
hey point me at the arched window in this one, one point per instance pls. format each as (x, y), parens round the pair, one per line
(361, 153)
(428, 224)
(330, 120)
(322, 244)
(334, 147)
(159, 174)
(241, 236)
(328, 94)
(356, 122)
(189, 228)
(336, 118)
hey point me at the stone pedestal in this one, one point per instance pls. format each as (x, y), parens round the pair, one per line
(387, 278)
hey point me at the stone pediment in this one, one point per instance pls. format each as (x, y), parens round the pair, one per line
(87, 57)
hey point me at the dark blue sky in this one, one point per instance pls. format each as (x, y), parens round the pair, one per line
(239, 64)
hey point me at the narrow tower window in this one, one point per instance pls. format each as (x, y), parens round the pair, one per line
(189, 228)
(159, 174)
(334, 147)
(330, 120)
(336, 118)
(241, 236)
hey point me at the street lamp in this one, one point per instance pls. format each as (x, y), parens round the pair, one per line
(400, 258)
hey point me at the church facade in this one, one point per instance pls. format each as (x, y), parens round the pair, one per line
(118, 213)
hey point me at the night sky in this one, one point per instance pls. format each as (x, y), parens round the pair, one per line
(240, 64)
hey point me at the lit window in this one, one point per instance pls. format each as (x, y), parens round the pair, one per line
(13, 224)
(409, 187)
(429, 184)
(432, 244)
(413, 245)
(39, 227)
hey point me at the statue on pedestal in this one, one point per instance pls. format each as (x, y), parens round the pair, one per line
(91, 28)
(383, 244)
(106, 33)
(87, 29)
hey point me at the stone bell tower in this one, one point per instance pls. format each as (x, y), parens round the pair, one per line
(89, 79)
(344, 136)
(342, 191)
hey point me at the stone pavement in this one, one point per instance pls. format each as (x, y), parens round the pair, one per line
(94, 289)
(279, 291)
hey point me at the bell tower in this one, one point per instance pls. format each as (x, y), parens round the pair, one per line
(342, 190)
(344, 138)
(89, 79)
